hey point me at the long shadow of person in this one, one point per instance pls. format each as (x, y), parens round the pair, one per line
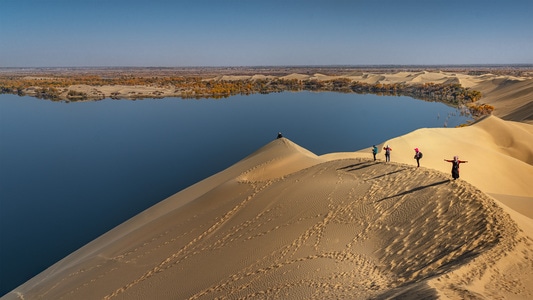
(414, 190)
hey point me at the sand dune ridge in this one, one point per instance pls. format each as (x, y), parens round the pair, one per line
(327, 228)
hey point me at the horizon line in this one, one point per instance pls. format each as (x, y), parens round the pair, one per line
(281, 66)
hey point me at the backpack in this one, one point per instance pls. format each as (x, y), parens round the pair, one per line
(419, 155)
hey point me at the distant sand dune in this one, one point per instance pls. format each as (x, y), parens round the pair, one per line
(512, 97)
(296, 76)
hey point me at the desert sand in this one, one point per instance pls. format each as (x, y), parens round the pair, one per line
(284, 223)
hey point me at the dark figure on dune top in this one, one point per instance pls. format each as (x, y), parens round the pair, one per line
(455, 166)
(280, 135)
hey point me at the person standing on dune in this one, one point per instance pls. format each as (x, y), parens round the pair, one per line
(418, 156)
(374, 151)
(387, 153)
(455, 166)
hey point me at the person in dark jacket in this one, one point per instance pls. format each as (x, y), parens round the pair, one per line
(374, 151)
(418, 156)
(455, 166)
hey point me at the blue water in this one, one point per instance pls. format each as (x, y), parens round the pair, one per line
(71, 171)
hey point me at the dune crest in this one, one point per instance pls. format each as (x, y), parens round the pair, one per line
(277, 159)
(498, 152)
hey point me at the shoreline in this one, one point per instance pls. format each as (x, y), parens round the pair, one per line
(483, 94)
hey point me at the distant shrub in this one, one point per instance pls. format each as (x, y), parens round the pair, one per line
(480, 109)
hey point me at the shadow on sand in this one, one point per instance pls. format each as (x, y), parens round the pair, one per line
(415, 189)
(359, 166)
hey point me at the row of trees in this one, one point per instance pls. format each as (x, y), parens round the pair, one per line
(50, 87)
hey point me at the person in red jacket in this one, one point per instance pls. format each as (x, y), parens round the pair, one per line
(455, 166)
(387, 153)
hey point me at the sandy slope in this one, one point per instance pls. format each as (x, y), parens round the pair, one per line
(499, 153)
(512, 97)
(284, 223)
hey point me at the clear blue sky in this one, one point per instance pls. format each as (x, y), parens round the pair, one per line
(47, 33)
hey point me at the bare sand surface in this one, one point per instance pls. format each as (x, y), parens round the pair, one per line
(284, 223)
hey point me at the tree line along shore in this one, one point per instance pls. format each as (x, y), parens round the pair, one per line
(67, 88)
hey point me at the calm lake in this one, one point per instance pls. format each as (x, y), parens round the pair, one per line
(69, 172)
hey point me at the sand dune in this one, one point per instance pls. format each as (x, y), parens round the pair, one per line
(499, 153)
(512, 97)
(296, 76)
(284, 223)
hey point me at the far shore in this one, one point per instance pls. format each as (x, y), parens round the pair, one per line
(484, 90)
